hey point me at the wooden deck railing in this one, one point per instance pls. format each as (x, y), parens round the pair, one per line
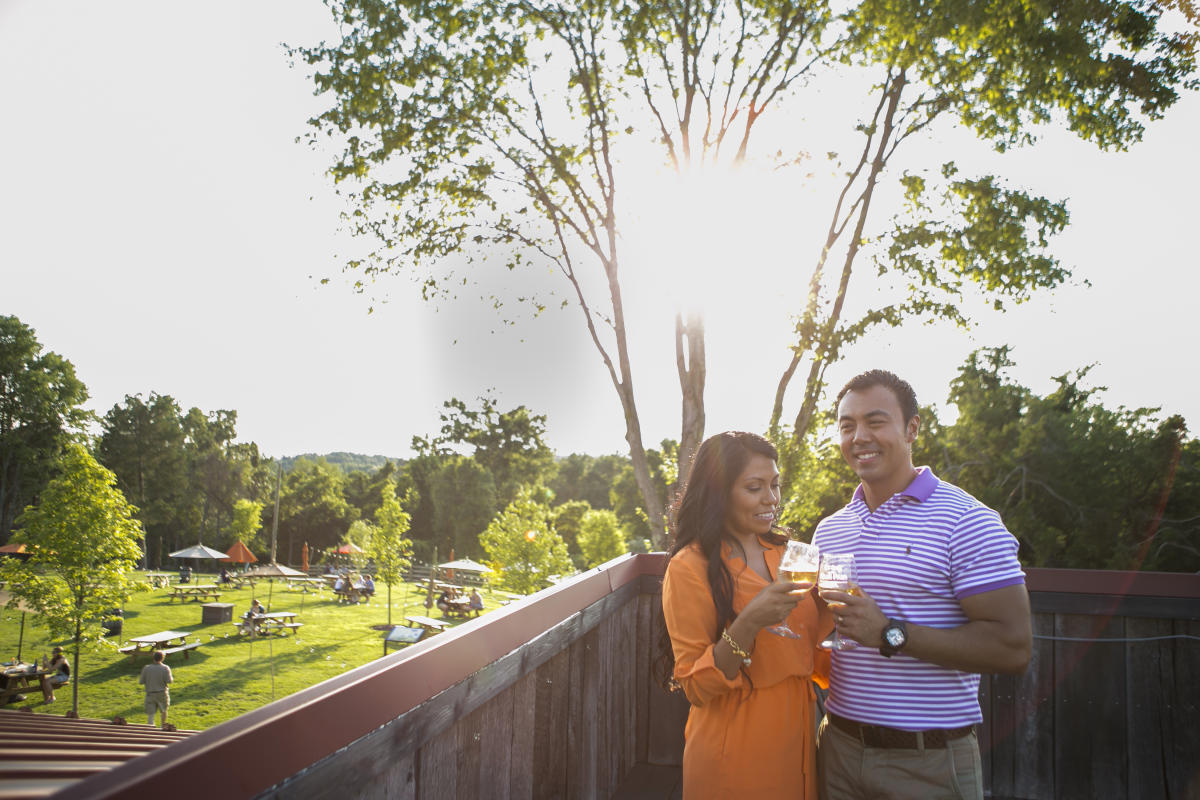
(551, 697)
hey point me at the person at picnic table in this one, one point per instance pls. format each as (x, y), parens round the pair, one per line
(340, 584)
(368, 585)
(256, 608)
(185, 574)
(940, 599)
(476, 602)
(749, 732)
(443, 601)
(60, 675)
(155, 677)
(224, 576)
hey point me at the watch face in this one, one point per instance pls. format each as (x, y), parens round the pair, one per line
(894, 636)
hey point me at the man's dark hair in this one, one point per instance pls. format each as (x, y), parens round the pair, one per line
(889, 380)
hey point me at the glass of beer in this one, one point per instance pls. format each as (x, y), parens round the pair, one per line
(798, 565)
(838, 573)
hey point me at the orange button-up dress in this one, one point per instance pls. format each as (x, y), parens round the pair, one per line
(740, 741)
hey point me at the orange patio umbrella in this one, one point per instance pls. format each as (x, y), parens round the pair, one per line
(240, 554)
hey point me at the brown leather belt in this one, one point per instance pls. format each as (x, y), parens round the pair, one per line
(880, 736)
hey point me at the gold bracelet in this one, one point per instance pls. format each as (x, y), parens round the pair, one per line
(736, 648)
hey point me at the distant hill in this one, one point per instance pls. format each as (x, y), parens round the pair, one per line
(348, 462)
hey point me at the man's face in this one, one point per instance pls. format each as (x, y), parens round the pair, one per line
(875, 437)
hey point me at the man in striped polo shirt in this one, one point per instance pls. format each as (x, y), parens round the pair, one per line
(943, 600)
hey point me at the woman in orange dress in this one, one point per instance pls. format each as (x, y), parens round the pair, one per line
(750, 729)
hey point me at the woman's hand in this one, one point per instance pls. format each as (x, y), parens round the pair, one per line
(772, 605)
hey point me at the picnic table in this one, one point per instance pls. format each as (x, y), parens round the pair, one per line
(352, 593)
(275, 622)
(200, 591)
(159, 580)
(428, 623)
(457, 607)
(20, 678)
(305, 584)
(163, 640)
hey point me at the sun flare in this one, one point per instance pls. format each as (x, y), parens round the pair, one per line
(705, 239)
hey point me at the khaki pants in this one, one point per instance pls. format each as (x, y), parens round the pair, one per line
(156, 701)
(846, 770)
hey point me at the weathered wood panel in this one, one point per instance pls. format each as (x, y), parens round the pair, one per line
(1091, 758)
(437, 768)
(645, 607)
(1180, 707)
(524, 699)
(497, 734)
(550, 735)
(1149, 677)
(1033, 737)
(668, 710)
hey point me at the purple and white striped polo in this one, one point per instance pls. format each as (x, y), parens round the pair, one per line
(921, 551)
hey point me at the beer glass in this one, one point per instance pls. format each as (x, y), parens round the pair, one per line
(798, 565)
(838, 573)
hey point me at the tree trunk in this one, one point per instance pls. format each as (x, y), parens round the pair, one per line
(78, 644)
(690, 364)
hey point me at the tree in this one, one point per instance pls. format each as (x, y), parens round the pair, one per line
(600, 538)
(1112, 65)
(312, 507)
(464, 500)
(499, 130)
(588, 478)
(1080, 485)
(40, 411)
(84, 544)
(389, 548)
(508, 444)
(246, 522)
(143, 444)
(567, 519)
(522, 546)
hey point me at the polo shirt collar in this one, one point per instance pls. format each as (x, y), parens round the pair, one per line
(919, 489)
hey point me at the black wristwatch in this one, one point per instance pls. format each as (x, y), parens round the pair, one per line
(895, 637)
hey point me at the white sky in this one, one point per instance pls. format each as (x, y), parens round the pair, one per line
(160, 228)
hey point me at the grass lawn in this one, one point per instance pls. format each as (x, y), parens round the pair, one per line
(229, 674)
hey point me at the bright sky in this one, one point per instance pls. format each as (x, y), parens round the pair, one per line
(160, 228)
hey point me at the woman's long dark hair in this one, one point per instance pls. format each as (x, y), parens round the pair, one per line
(699, 516)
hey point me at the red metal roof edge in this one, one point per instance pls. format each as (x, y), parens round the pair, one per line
(264, 747)
(1114, 582)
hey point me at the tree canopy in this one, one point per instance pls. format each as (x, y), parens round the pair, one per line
(522, 546)
(506, 132)
(84, 544)
(40, 411)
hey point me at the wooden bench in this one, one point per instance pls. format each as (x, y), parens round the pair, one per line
(183, 648)
(192, 595)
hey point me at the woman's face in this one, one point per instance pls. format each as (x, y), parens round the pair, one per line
(753, 498)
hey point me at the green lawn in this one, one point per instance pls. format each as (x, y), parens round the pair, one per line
(229, 675)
